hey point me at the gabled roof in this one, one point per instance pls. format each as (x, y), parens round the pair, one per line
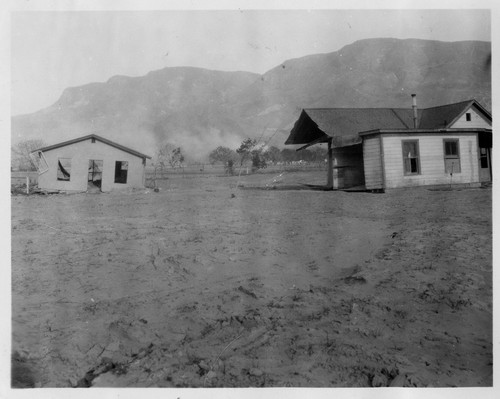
(445, 116)
(345, 124)
(95, 137)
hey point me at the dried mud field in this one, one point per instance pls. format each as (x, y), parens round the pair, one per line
(207, 284)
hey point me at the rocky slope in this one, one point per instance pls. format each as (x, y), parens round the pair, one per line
(200, 109)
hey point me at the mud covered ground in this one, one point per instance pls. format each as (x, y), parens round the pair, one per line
(206, 284)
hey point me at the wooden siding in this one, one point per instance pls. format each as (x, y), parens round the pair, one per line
(373, 163)
(431, 158)
(80, 153)
(477, 120)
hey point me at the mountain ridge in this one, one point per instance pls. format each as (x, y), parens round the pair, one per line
(200, 109)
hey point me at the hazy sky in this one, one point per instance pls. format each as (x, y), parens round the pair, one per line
(54, 50)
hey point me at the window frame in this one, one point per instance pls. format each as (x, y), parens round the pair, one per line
(447, 157)
(483, 157)
(417, 157)
(39, 161)
(64, 167)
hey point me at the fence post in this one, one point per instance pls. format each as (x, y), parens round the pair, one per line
(27, 184)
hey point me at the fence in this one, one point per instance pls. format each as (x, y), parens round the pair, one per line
(23, 181)
(219, 170)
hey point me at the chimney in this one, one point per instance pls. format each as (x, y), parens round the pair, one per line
(414, 107)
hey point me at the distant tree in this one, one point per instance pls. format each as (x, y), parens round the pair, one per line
(272, 154)
(249, 149)
(245, 149)
(288, 155)
(222, 154)
(176, 158)
(320, 154)
(21, 154)
(167, 155)
(229, 167)
(305, 155)
(258, 160)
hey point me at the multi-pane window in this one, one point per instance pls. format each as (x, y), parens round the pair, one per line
(39, 161)
(64, 169)
(451, 156)
(411, 158)
(121, 170)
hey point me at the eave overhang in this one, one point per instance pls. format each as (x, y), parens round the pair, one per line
(97, 138)
(306, 131)
(423, 131)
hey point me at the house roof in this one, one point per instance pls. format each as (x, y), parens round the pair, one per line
(443, 116)
(345, 124)
(96, 137)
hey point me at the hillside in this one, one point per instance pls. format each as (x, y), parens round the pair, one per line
(200, 109)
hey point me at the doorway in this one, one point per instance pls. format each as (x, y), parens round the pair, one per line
(95, 174)
(484, 165)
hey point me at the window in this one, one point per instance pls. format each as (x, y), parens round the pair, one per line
(483, 157)
(64, 169)
(95, 172)
(451, 156)
(468, 116)
(121, 169)
(411, 157)
(39, 161)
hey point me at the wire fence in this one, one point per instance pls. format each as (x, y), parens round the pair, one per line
(221, 170)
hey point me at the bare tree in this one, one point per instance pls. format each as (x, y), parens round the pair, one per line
(165, 156)
(21, 154)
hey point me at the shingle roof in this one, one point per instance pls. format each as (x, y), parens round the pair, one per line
(96, 137)
(442, 116)
(345, 124)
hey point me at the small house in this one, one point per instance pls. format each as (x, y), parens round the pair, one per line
(383, 148)
(89, 163)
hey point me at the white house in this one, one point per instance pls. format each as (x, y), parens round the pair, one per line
(383, 148)
(89, 162)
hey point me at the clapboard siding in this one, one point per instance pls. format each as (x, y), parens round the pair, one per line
(431, 153)
(477, 120)
(372, 163)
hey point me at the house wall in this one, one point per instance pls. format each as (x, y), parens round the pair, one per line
(477, 120)
(80, 154)
(348, 166)
(431, 156)
(373, 163)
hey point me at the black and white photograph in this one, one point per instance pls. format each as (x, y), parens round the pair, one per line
(249, 195)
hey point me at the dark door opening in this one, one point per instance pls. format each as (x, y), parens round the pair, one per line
(95, 173)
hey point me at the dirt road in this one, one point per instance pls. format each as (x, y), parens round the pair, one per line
(208, 284)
